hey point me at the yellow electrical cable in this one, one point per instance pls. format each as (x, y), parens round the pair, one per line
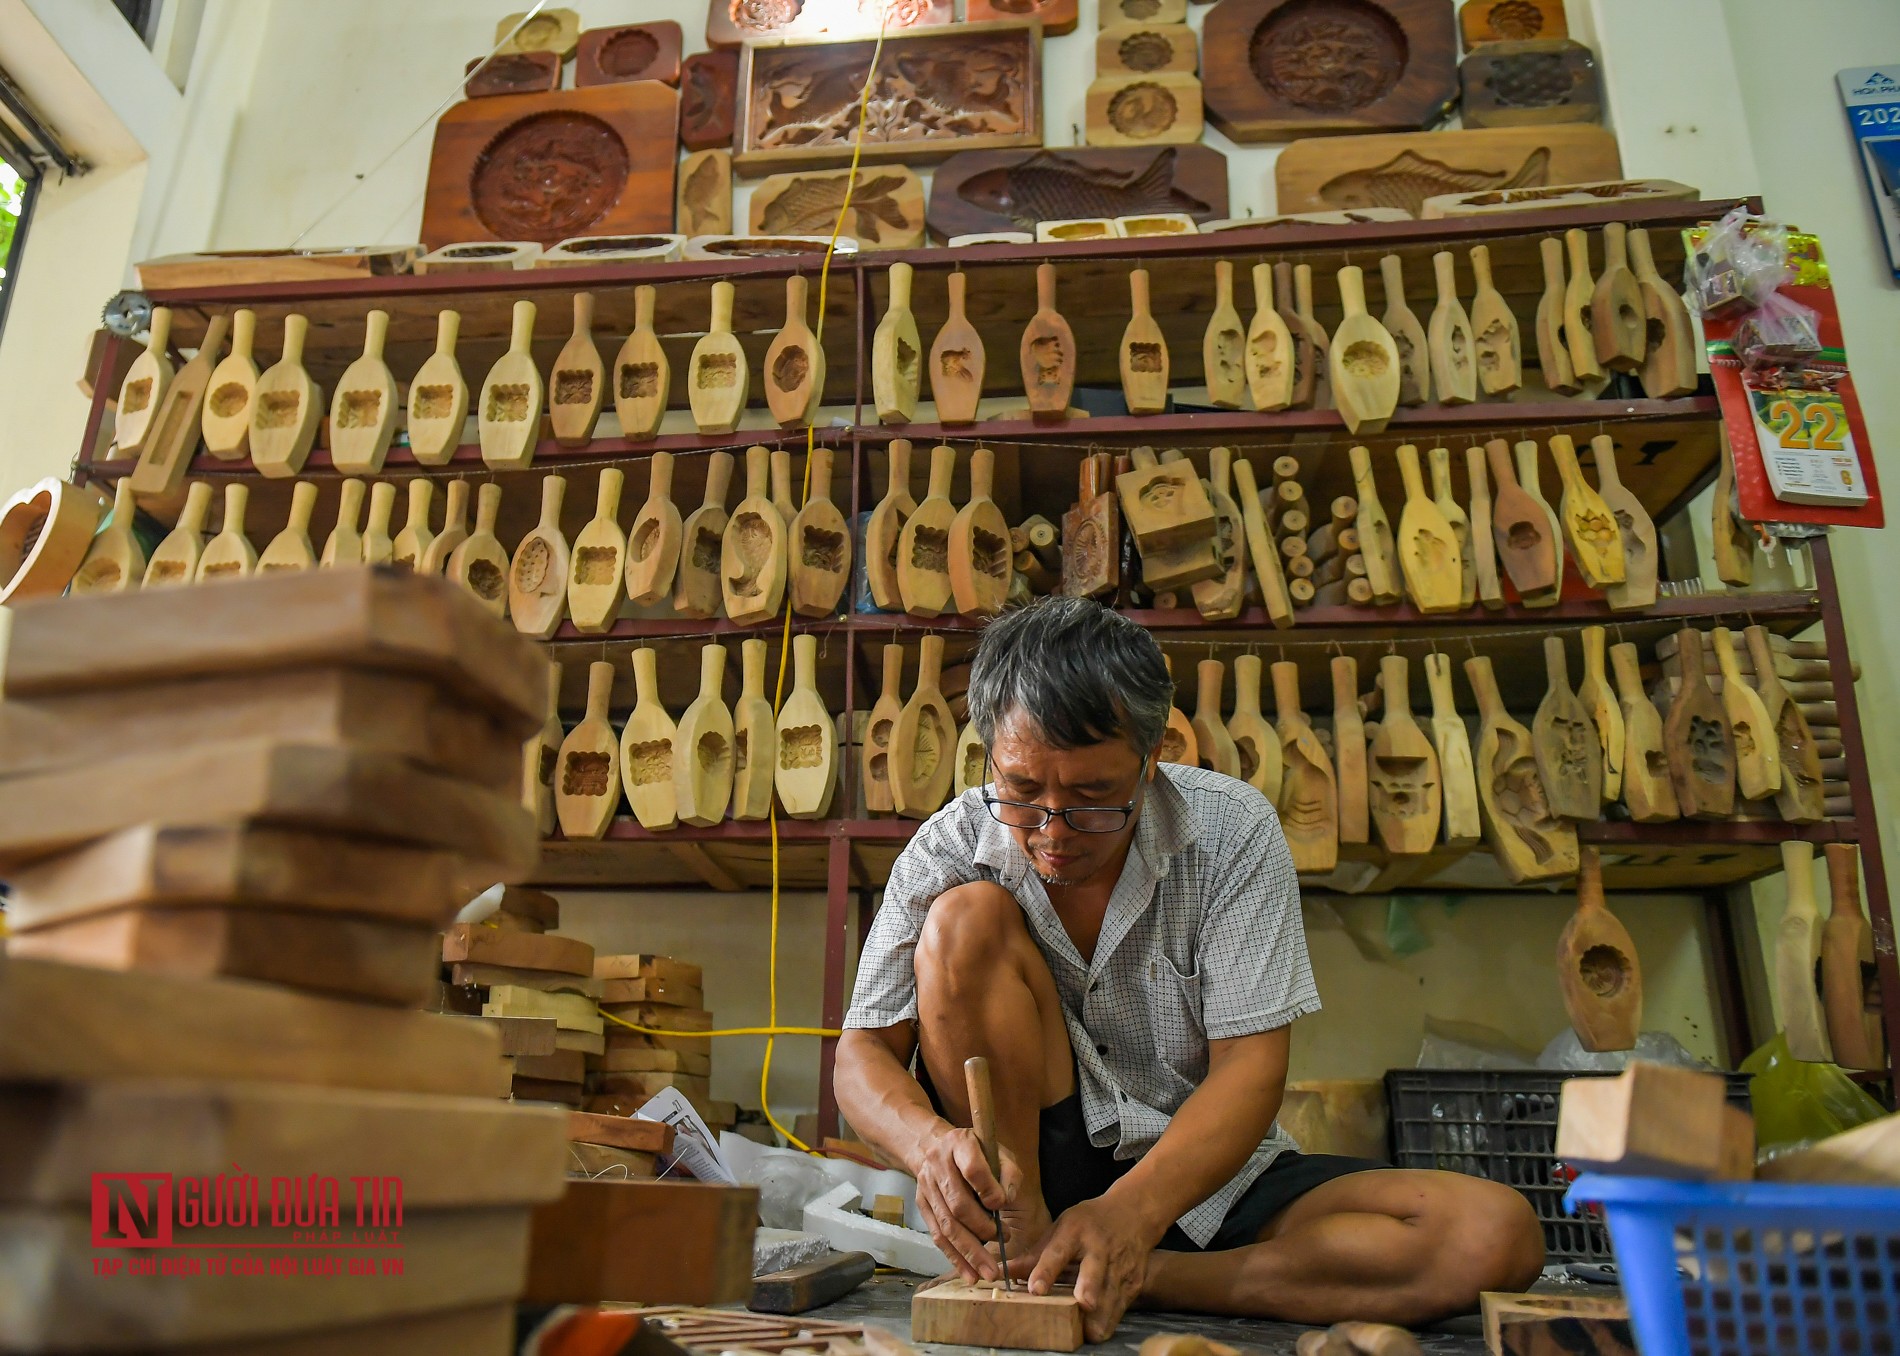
(785, 636)
(772, 1030)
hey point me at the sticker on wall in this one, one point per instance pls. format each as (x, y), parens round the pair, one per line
(1871, 95)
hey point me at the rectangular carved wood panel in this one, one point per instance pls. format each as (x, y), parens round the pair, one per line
(545, 167)
(1280, 68)
(1404, 169)
(1056, 16)
(1013, 190)
(961, 88)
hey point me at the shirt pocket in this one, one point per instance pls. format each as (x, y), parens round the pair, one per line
(1180, 1037)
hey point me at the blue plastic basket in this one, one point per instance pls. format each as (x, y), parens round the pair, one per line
(1764, 1267)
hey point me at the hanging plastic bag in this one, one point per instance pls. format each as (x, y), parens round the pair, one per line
(1795, 1101)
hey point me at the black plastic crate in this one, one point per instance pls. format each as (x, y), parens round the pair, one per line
(1501, 1125)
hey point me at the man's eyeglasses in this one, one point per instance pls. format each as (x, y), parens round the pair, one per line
(1017, 814)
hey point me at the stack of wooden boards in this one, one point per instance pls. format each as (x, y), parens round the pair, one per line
(664, 996)
(250, 809)
(512, 966)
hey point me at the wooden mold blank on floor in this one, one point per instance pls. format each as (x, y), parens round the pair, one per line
(982, 1314)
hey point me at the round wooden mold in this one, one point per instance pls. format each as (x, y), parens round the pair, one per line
(1274, 69)
(548, 176)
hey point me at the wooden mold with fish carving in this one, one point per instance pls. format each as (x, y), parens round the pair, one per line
(964, 87)
(887, 205)
(980, 191)
(1403, 169)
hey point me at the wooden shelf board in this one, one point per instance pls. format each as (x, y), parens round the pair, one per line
(1637, 857)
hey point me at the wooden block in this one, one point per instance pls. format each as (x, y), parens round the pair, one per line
(980, 191)
(58, 1134)
(1867, 1155)
(154, 867)
(555, 1092)
(1493, 201)
(635, 1060)
(111, 1025)
(625, 1132)
(382, 619)
(536, 905)
(1274, 68)
(603, 1160)
(982, 1314)
(524, 1035)
(477, 943)
(667, 992)
(649, 51)
(243, 268)
(933, 71)
(557, 1066)
(511, 73)
(616, 141)
(1403, 169)
(59, 1301)
(1162, 109)
(707, 81)
(654, 1242)
(258, 781)
(799, 1289)
(476, 975)
(570, 1012)
(408, 718)
(1482, 21)
(888, 1209)
(1651, 1120)
(1552, 1324)
(650, 1084)
(1521, 84)
(1057, 17)
(705, 193)
(349, 957)
(1138, 48)
(661, 968)
(588, 1042)
(887, 206)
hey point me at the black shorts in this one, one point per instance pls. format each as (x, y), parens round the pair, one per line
(1074, 1169)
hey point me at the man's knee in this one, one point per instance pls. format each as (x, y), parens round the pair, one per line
(1493, 1241)
(968, 930)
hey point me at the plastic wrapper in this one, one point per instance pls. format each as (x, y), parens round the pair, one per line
(1795, 1101)
(1565, 1054)
(1781, 332)
(1738, 264)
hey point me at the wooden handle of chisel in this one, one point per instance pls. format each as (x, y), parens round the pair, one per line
(976, 1079)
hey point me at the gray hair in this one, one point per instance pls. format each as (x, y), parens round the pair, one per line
(1078, 672)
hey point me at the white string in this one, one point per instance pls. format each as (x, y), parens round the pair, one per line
(434, 113)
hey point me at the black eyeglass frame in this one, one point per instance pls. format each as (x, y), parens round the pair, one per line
(991, 802)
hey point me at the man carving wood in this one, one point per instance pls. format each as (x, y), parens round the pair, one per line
(1121, 939)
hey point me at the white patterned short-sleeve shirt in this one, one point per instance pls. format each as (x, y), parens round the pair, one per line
(1202, 940)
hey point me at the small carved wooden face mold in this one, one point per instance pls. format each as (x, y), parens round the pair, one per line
(1274, 68)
